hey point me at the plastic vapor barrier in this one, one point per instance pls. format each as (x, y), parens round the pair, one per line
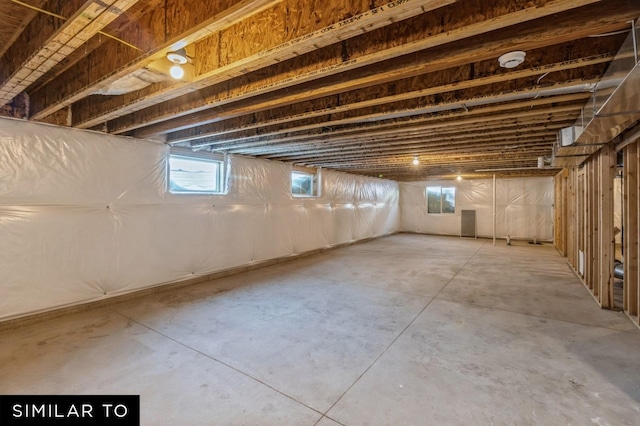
(86, 216)
(524, 207)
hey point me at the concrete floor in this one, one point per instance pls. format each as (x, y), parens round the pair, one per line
(404, 330)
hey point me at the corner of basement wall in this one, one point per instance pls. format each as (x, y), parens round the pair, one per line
(524, 207)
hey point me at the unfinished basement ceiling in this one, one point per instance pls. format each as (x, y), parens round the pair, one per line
(356, 86)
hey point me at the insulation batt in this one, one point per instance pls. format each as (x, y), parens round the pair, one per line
(86, 216)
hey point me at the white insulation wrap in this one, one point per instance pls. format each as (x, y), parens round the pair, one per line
(524, 207)
(85, 216)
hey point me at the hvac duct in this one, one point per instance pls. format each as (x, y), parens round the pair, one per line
(568, 135)
(614, 107)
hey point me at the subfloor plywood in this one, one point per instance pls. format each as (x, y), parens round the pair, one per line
(407, 329)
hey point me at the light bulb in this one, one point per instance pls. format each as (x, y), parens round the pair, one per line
(459, 178)
(416, 161)
(176, 72)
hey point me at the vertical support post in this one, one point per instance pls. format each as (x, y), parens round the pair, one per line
(556, 216)
(578, 217)
(494, 209)
(606, 237)
(562, 199)
(636, 190)
(590, 225)
(562, 206)
(630, 229)
(571, 224)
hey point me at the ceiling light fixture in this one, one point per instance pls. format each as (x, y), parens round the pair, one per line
(459, 178)
(416, 161)
(176, 72)
(179, 57)
(512, 59)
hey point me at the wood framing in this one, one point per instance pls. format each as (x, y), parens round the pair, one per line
(584, 209)
(356, 86)
(578, 218)
(630, 232)
(561, 212)
(606, 239)
(62, 38)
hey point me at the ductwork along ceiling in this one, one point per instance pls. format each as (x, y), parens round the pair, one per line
(361, 87)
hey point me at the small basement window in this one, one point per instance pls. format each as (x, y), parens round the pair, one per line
(195, 173)
(304, 183)
(441, 200)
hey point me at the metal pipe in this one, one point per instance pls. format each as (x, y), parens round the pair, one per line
(635, 40)
(618, 270)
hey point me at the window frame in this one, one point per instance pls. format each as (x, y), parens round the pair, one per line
(441, 195)
(205, 157)
(315, 182)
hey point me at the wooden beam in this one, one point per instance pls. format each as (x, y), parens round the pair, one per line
(172, 25)
(577, 215)
(462, 164)
(35, 35)
(89, 19)
(630, 230)
(304, 121)
(121, 26)
(534, 36)
(421, 32)
(494, 113)
(459, 152)
(591, 242)
(532, 154)
(508, 135)
(559, 194)
(19, 17)
(536, 107)
(352, 156)
(505, 144)
(484, 74)
(185, 111)
(249, 47)
(606, 237)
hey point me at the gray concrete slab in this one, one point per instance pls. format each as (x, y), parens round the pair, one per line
(327, 422)
(529, 279)
(305, 336)
(411, 273)
(408, 329)
(102, 352)
(460, 364)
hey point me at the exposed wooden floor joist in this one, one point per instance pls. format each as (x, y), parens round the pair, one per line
(355, 86)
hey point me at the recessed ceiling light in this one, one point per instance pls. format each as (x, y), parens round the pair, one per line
(178, 57)
(512, 59)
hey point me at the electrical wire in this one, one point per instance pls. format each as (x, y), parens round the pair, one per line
(609, 34)
(55, 15)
